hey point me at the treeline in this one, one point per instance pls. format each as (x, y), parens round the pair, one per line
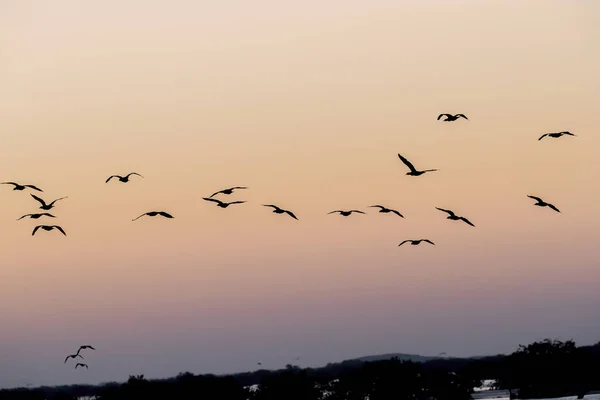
(543, 369)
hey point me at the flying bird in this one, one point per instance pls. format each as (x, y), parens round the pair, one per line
(81, 365)
(416, 242)
(228, 191)
(85, 346)
(123, 179)
(386, 210)
(542, 203)
(278, 210)
(48, 228)
(345, 213)
(223, 204)
(259, 363)
(73, 356)
(413, 170)
(45, 206)
(36, 216)
(450, 117)
(154, 214)
(556, 134)
(454, 217)
(22, 187)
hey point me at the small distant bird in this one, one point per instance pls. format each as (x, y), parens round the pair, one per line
(413, 170)
(297, 358)
(259, 363)
(556, 134)
(154, 214)
(81, 365)
(416, 242)
(228, 191)
(278, 210)
(73, 356)
(542, 203)
(345, 213)
(123, 179)
(386, 210)
(223, 204)
(22, 187)
(45, 206)
(450, 117)
(454, 217)
(48, 228)
(85, 346)
(36, 216)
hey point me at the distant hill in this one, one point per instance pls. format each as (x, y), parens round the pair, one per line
(400, 356)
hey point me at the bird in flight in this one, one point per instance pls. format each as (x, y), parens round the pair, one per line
(228, 191)
(22, 187)
(81, 365)
(73, 356)
(542, 203)
(85, 346)
(123, 179)
(556, 134)
(345, 213)
(386, 210)
(454, 217)
(416, 242)
(36, 216)
(413, 170)
(259, 363)
(223, 204)
(278, 210)
(48, 228)
(450, 117)
(154, 214)
(45, 206)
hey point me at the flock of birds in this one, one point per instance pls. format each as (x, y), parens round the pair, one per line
(413, 171)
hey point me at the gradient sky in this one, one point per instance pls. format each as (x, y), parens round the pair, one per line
(307, 103)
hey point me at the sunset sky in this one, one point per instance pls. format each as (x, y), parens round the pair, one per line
(307, 103)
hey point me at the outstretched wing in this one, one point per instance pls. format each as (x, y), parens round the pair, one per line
(66, 359)
(112, 176)
(553, 207)
(139, 216)
(442, 115)
(461, 115)
(58, 199)
(536, 198)
(34, 187)
(60, 229)
(397, 213)
(10, 183)
(238, 187)
(35, 229)
(238, 202)
(165, 214)
(404, 242)
(133, 173)
(270, 205)
(428, 241)
(291, 214)
(333, 212)
(26, 215)
(213, 200)
(446, 211)
(543, 136)
(357, 211)
(216, 193)
(467, 221)
(407, 163)
(382, 207)
(42, 202)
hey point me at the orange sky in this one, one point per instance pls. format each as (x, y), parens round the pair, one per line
(307, 103)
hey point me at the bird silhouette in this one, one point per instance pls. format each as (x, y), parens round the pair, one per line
(22, 187)
(154, 214)
(73, 356)
(542, 203)
(228, 191)
(36, 216)
(45, 206)
(386, 210)
(81, 365)
(416, 242)
(85, 346)
(556, 134)
(259, 363)
(278, 210)
(48, 228)
(345, 213)
(454, 217)
(223, 204)
(413, 170)
(123, 179)
(450, 117)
